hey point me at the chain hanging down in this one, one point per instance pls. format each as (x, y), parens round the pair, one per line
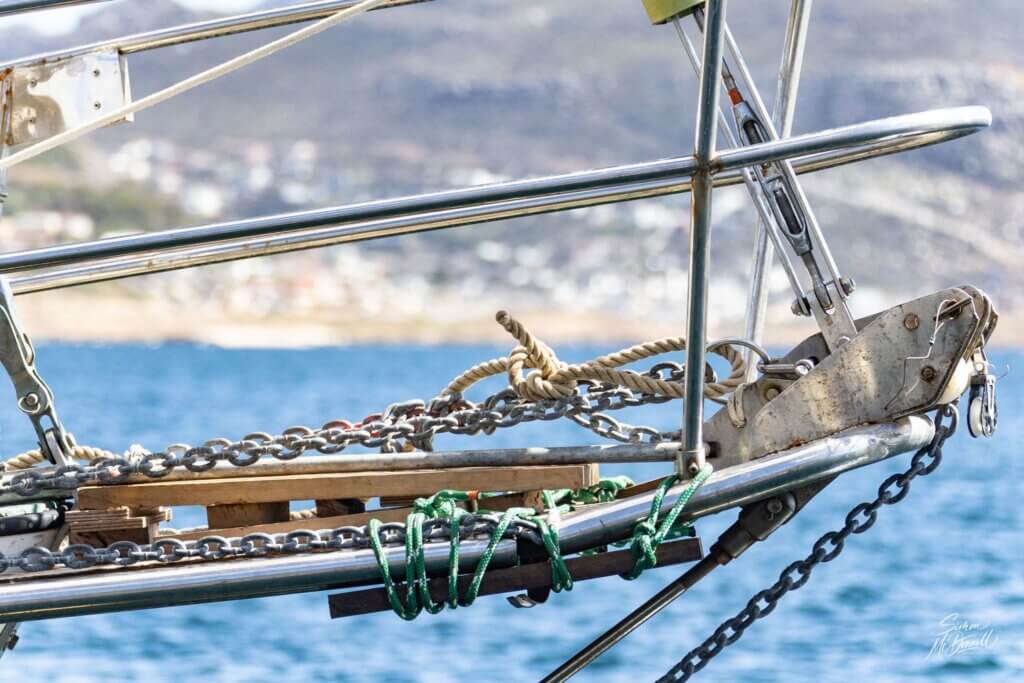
(827, 548)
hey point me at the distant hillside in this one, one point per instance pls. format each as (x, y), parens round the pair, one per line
(530, 87)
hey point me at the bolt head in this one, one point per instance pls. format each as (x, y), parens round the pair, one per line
(911, 321)
(771, 393)
(928, 373)
(693, 468)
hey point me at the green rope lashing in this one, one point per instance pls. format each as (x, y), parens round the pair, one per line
(445, 505)
(648, 534)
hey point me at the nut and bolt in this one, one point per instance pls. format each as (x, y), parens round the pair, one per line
(848, 284)
(800, 307)
(928, 373)
(771, 393)
(774, 507)
(693, 468)
(911, 321)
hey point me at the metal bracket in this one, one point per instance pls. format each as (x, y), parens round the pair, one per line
(903, 361)
(51, 97)
(34, 396)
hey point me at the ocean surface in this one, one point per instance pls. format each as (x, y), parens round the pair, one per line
(947, 561)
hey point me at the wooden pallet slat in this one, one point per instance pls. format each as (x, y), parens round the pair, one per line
(249, 490)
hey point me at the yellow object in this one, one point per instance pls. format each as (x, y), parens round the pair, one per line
(661, 11)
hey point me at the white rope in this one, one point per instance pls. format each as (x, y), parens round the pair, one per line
(191, 82)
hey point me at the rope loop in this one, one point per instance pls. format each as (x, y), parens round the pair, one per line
(535, 372)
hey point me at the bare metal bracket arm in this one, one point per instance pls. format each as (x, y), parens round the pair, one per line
(140, 254)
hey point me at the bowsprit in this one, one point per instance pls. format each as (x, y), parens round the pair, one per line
(402, 525)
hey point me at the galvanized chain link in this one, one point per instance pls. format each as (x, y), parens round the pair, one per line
(413, 422)
(861, 518)
(170, 550)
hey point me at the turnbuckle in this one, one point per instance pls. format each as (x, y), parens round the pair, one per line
(34, 396)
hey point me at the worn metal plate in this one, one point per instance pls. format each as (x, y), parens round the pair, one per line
(890, 369)
(52, 97)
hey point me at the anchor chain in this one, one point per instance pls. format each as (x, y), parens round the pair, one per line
(171, 550)
(413, 421)
(861, 518)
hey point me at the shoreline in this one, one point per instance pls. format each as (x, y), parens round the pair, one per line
(111, 319)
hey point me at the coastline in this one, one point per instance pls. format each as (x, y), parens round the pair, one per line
(67, 316)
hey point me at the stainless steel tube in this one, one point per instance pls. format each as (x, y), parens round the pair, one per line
(754, 190)
(201, 30)
(72, 595)
(20, 6)
(754, 480)
(163, 251)
(692, 452)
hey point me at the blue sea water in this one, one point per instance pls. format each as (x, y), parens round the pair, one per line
(949, 557)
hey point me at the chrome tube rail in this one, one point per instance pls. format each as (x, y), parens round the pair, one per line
(8, 7)
(188, 33)
(691, 455)
(222, 242)
(113, 591)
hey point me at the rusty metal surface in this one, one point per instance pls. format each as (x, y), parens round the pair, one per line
(51, 97)
(889, 370)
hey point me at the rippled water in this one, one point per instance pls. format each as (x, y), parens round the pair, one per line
(953, 547)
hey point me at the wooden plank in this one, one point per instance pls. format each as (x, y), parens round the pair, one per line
(324, 486)
(244, 514)
(514, 579)
(497, 504)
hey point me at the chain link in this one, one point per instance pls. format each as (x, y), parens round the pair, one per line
(861, 518)
(413, 422)
(170, 550)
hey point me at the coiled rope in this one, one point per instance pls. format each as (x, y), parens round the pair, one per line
(554, 379)
(28, 459)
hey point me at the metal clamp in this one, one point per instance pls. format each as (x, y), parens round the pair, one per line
(982, 412)
(34, 396)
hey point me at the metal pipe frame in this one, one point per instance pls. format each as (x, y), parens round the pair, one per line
(188, 33)
(691, 455)
(113, 591)
(753, 189)
(8, 7)
(167, 250)
(787, 87)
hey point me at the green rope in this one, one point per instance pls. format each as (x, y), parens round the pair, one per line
(648, 534)
(445, 505)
